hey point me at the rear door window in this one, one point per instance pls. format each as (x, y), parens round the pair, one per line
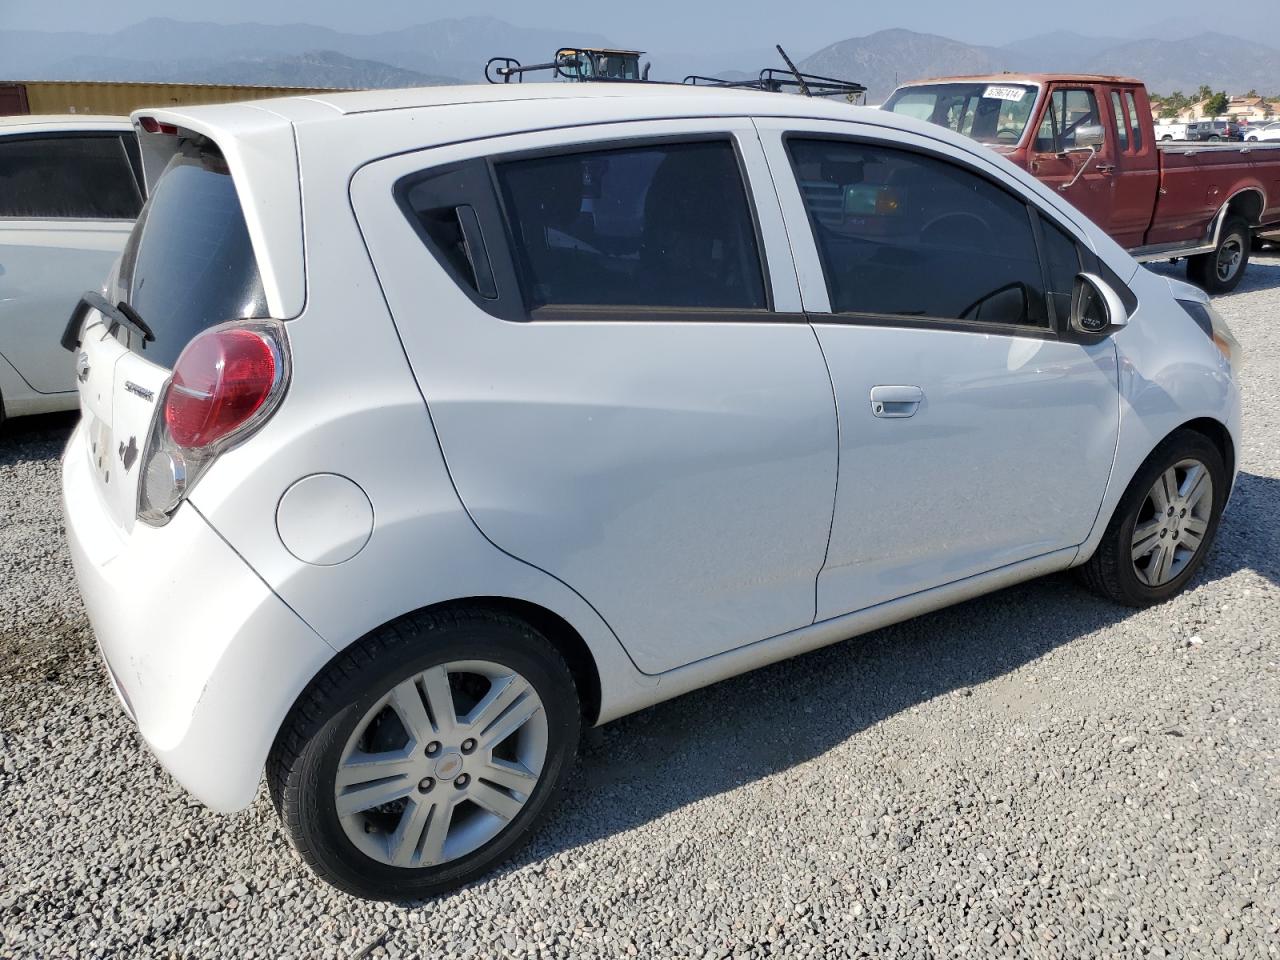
(658, 225)
(1121, 122)
(189, 262)
(1135, 124)
(905, 234)
(87, 177)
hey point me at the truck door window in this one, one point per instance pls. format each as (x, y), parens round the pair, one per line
(1068, 112)
(906, 234)
(1121, 122)
(1134, 123)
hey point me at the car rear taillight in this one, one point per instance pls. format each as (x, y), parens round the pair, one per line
(221, 380)
(225, 385)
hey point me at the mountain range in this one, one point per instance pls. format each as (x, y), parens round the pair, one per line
(455, 50)
(884, 59)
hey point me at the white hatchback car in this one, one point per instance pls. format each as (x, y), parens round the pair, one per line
(70, 188)
(422, 428)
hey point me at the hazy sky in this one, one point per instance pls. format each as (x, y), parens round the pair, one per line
(674, 24)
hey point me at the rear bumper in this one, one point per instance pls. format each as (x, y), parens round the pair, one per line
(206, 659)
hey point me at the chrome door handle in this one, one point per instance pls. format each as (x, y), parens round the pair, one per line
(1106, 167)
(895, 402)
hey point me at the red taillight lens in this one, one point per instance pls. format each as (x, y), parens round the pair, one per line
(152, 125)
(221, 380)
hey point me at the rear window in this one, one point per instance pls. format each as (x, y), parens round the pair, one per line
(665, 225)
(189, 263)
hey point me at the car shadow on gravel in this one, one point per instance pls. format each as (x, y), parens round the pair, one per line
(35, 438)
(1263, 272)
(705, 743)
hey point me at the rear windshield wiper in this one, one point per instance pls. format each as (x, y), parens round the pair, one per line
(121, 315)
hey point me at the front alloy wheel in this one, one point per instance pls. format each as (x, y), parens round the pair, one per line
(1164, 524)
(1172, 522)
(425, 754)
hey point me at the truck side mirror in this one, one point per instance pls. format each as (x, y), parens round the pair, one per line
(1091, 135)
(1096, 309)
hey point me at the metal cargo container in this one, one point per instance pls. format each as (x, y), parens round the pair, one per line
(104, 97)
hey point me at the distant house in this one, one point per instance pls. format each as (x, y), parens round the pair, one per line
(1193, 112)
(1252, 109)
(1246, 109)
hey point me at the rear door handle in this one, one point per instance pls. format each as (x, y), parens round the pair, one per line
(895, 401)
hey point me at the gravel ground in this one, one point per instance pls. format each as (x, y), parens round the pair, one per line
(1036, 773)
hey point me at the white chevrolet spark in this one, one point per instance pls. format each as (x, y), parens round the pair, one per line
(423, 428)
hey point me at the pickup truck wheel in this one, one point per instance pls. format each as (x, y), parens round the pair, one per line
(1221, 270)
(1164, 524)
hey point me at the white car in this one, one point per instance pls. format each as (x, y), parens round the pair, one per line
(1263, 132)
(70, 188)
(439, 424)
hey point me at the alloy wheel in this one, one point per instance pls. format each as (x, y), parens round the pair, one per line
(1172, 522)
(441, 764)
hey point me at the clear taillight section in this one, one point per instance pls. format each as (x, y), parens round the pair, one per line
(225, 385)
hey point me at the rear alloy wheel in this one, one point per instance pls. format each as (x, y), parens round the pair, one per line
(425, 755)
(1221, 270)
(1164, 524)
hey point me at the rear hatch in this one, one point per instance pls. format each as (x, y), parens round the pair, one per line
(189, 264)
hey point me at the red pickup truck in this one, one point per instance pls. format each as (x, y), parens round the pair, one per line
(1093, 139)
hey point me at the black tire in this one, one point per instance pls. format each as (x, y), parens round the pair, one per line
(303, 765)
(1202, 269)
(1110, 571)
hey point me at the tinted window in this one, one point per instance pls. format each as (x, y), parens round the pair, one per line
(904, 234)
(1062, 263)
(189, 263)
(1122, 124)
(1134, 123)
(68, 177)
(1067, 113)
(665, 225)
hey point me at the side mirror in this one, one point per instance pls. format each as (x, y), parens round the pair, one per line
(1092, 135)
(1096, 309)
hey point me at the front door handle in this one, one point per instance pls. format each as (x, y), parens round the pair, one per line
(895, 401)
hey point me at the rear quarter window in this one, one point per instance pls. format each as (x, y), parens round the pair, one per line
(189, 263)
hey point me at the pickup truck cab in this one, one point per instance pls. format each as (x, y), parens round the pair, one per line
(1092, 139)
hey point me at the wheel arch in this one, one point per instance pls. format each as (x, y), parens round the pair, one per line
(1249, 202)
(562, 635)
(1217, 433)
(1211, 428)
(559, 632)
